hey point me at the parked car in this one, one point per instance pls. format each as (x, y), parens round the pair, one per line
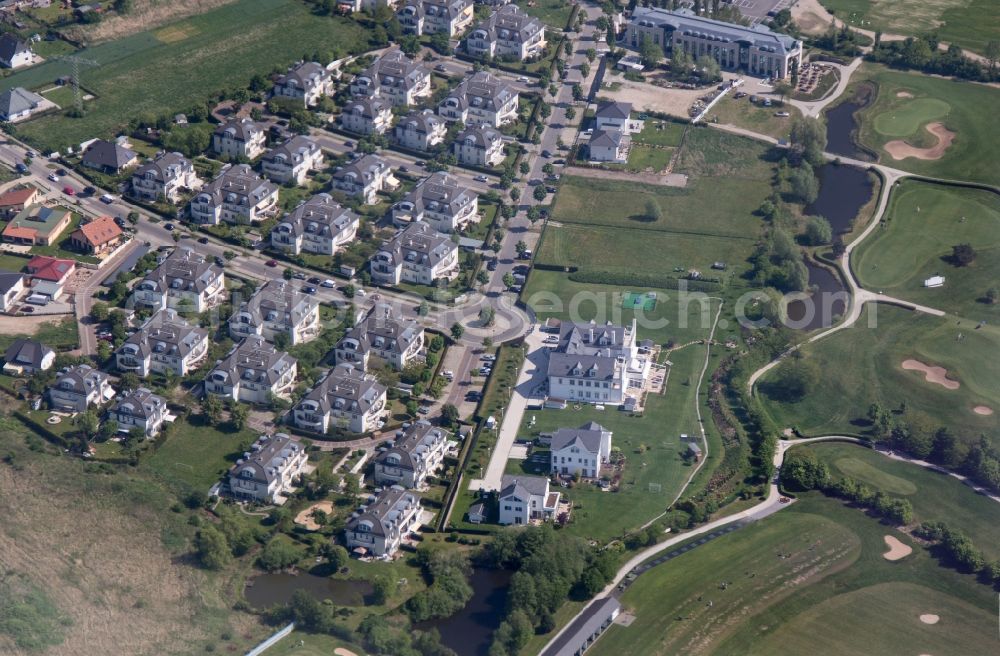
(88, 191)
(523, 79)
(315, 280)
(473, 396)
(441, 68)
(359, 292)
(21, 168)
(329, 284)
(546, 154)
(168, 226)
(349, 144)
(298, 275)
(203, 240)
(309, 289)
(272, 263)
(53, 177)
(60, 171)
(482, 178)
(107, 199)
(69, 191)
(403, 169)
(550, 189)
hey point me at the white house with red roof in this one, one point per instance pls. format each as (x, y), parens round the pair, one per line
(49, 275)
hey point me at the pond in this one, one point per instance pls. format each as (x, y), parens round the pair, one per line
(843, 191)
(827, 302)
(470, 631)
(841, 125)
(266, 590)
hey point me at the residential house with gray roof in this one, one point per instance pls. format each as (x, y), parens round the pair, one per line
(109, 157)
(393, 77)
(239, 138)
(25, 357)
(319, 225)
(346, 398)
(479, 145)
(267, 473)
(11, 288)
(79, 387)
(364, 178)
(416, 453)
(756, 49)
(481, 98)
(165, 342)
(141, 409)
(238, 195)
(378, 527)
(395, 340)
(17, 104)
(292, 161)
(367, 116)
(278, 312)
(595, 363)
(253, 372)
(417, 254)
(14, 53)
(420, 130)
(609, 145)
(441, 201)
(449, 17)
(508, 34)
(164, 177)
(580, 450)
(525, 498)
(308, 82)
(185, 279)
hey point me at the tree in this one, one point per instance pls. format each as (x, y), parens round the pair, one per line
(99, 311)
(238, 415)
(457, 330)
(108, 429)
(487, 315)
(709, 69)
(818, 231)
(992, 53)
(211, 548)
(963, 254)
(804, 185)
(508, 280)
(525, 168)
(277, 555)
(130, 380)
(352, 486)
(650, 51)
(211, 407)
(382, 589)
(337, 556)
(653, 210)
(808, 137)
(449, 414)
(539, 193)
(592, 53)
(89, 424)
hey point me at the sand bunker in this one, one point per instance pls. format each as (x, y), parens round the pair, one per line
(305, 519)
(938, 375)
(984, 410)
(929, 618)
(340, 651)
(904, 94)
(899, 149)
(897, 549)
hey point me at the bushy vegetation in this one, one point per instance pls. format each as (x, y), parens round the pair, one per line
(448, 591)
(28, 616)
(922, 54)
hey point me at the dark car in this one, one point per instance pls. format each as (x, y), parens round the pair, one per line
(21, 168)
(473, 396)
(546, 153)
(168, 226)
(120, 222)
(349, 144)
(492, 266)
(88, 191)
(403, 169)
(203, 240)
(315, 280)
(550, 189)
(219, 261)
(61, 172)
(441, 68)
(272, 263)
(309, 289)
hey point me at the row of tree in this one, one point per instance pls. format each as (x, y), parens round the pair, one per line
(924, 54)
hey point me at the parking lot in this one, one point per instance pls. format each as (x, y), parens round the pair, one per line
(757, 10)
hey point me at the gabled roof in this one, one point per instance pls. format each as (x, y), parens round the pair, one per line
(688, 23)
(20, 196)
(380, 325)
(166, 167)
(480, 136)
(418, 244)
(410, 449)
(483, 90)
(253, 360)
(26, 352)
(606, 139)
(239, 129)
(321, 216)
(140, 403)
(267, 457)
(304, 75)
(383, 515)
(344, 389)
(293, 151)
(616, 110)
(165, 333)
(523, 486)
(9, 280)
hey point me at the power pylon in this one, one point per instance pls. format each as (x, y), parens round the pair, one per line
(76, 61)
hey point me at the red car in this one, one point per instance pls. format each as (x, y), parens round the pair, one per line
(69, 191)
(272, 263)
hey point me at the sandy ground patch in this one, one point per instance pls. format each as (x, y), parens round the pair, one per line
(305, 519)
(984, 410)
(937, 375)
(904, 94)
(929, 618)
(650, 97)
(897, 549)
(27, 325)
(899, 149)
(340, 651)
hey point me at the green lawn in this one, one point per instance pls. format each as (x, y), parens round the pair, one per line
(641, 157)
(969, 23)
(832, 588)
(552, 12)
(60, 335)
(196, 456)
(744, 114)
(173, 67)
(861, 365)
(300, 643)
(651, 443)
(657, 132)
(891, 117)
(924, 222)
(935, 498)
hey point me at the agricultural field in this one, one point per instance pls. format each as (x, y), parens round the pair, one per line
(811, 574)
(924, 222)
(863, 364)
(709, 220)
(935, 497)
(152, 72)
(969, 23)
(931, 125)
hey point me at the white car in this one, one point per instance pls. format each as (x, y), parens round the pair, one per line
(482, 178)
(53, 177)
(329, 284)
(359, 292)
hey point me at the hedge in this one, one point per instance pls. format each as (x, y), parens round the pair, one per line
(636, 279)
